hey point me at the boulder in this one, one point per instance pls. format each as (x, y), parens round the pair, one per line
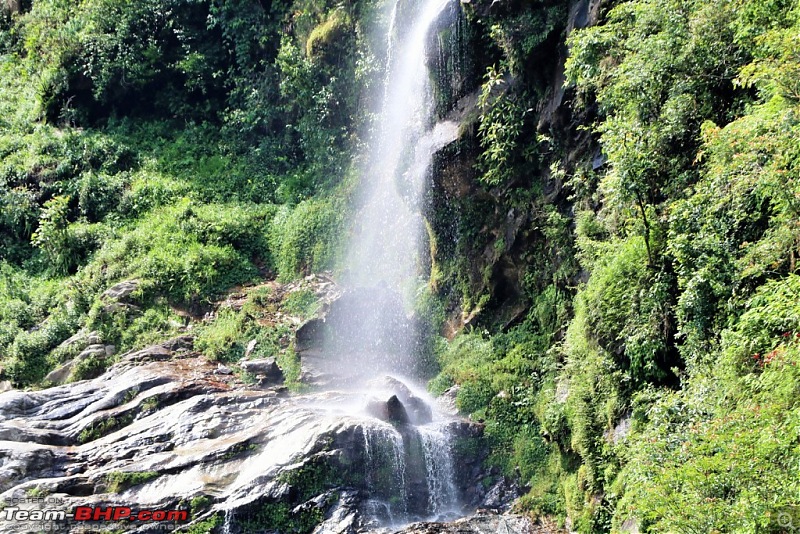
(390, 410)
(121, 291)
(309, 335)
(501, 495)
(419, 412)
(61, 374)
(483, 521)
(81, 340)
(251, 346)
(223, 370)
(162, 351)
(265, 368)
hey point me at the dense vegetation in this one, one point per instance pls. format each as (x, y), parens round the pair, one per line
(616, 268)
(652, 380)
(191, 146)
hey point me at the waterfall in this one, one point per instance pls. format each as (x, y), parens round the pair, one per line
(383, 255)
(409, 470)
(385, 470)
(439, 465)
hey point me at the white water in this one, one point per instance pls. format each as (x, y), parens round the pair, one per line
(438, 452)
(384, 449)
(383, 267)
(385, 246)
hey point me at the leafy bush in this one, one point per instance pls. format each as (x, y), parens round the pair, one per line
(308, 237)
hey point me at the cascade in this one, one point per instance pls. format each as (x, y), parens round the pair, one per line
(408, 463)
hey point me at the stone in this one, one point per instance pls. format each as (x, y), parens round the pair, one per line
(447, 400)
(418, 411)
(223, 370)
(266, 368)
(390, 410)
(251, 346)
(5, 385)
(121, 291)
(309, 335)
(501, 495)
(82, 340)
(61, 374)
(162, 351)
(245, 447)
(481, 522)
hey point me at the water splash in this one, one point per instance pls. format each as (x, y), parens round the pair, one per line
(227, 522)
(437, 447)
(385, 467)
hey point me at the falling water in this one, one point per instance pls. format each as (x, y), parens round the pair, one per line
(439, 464)
(409, 470)
(389, 227)
(385, 452)
(226, 524)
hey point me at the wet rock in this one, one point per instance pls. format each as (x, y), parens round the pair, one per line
(266, 367)
(245, 449)
(419, 412)
(501, 495)
(447, 400)
(343, 516)
(309, 335)
(482, 523)
(391, 410)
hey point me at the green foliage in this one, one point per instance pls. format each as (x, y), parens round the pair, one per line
(308, 237)
(87, 368)
(199, 503)
(224, 338)
(103, 427)
(207, 525)
(501, 123)
(52, 237)
(303, 303)
(119, 481)
(327, 33)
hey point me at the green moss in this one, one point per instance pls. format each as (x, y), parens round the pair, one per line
(224, 338)
(327, 32)
(119, 481)
(303, 303)
(206, 526)
(104, 427)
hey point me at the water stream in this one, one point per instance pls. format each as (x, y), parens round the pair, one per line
(409, 465)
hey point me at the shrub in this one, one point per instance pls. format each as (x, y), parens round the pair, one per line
(308, 237)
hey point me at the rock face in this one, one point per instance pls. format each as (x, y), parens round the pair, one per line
(180, 436)
(121, 291)
(97, 352)
(482, 523)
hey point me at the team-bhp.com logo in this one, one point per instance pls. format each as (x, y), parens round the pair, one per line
(98, 513)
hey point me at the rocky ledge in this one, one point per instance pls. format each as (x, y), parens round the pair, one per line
(164, 429)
